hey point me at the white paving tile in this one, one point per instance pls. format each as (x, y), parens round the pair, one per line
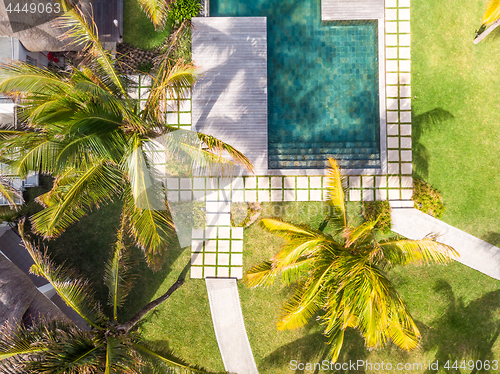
(392, 91)
(391, 28)
(263, 182)
(381, 182)
(394, 195)
(368, 195)
(289, 195)
(289, 182)
(316, 195)
(224, 233)
(391, 78)
(223, 245)
(355, 195)
(302, 195)
(367, 181)
(404, 65)
(276, 195)
(173, 183)
(236, 272)
(211, 246)
(276, 182)
(236, 259)
(405, 142)
(381, 195)
(199, 183)
(393, 182)
(393, 168)
(406, 168)
(210, 259)
(391, 14)
(405, 117)
(355, 182)
(209, 271)
(196, 272)
(404, 14)
(406, 130)
(302, 182)
(250, 182)
(392, 104)
(393, 155)
(406, 194)
(251, 196)
(186, 196)
(197, 259)
(236, 246)
(263, 195)
(391, 65)
(405, 91)
(392, 129)
(237, 232)
(393, 142)
(222, 272)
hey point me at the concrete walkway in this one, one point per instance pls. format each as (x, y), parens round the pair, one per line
(229, 326)
(474, 252)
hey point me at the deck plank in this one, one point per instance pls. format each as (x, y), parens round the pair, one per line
(332, 10)
(230, 101)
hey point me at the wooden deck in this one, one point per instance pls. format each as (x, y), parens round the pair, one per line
(230, 100)
(333, 10)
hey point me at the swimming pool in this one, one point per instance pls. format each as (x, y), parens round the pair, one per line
(323, 84)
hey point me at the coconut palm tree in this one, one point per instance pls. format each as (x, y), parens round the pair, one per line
(156, 10)
(341, 276)
(106, 346)
(490, 21)
(7, 192)
(86, 129)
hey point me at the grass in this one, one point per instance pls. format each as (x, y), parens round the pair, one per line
(455, 112)
(138, 29)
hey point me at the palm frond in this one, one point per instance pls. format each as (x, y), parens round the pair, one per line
(492, 12)
(17, 339)
(298, 310)
(156, 10)
(336, 194)
(8, 193)
(286, 230)
(75, 292)
(359, 233)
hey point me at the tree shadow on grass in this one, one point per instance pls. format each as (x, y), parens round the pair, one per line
(313, 349)
(493, 238)
(463, 332)
(423, 123)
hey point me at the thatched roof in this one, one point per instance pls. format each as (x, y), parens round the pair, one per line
(35, 36)
(20, 300)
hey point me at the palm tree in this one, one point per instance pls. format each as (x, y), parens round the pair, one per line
(342, 274)
(7, 192)
(107, 346)
(490, 21)
(84, 128)
(156, 10)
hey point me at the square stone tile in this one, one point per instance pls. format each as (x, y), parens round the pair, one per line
(236, 272)
(393, 182)
(392, 117)
(316, 195)
(391, 14)
(197, 259)
(391, 78)
(404, 3)
(222, 272)
(405, 65)
(212, 219)
(236, 259)
(236, 246)
(404, 14)
(406, 156)
(391, 4)
(172, 118)
(209, 271)
(404, 53)
(223, 259)
(405, 104)
(391, 28)
(406, 168)
(392, 130)
(392, 104)
(224, 233)
(405, 91)
(238, 197)
(393, 142)
(185, 118)
(289, 195)
(172, 183)
(405, 117)
(391, 40)
(276, 195)
(211, 233)
(391, 65)
(184, 105)
(393, 155)
(315, 182)
(406, 194)
(196, 272)
(198, 234)
(210, 258)
(251, 196)
(381, 182)
(223, 245)
(406, 130)
(224, 206)
(264, 195)
(367, 181)
(237, 232)
(302, 195)
(289, 182)
(405, 142)
(276, 182)
(263, 182)
(302, 182)
(392, 91)
(199, 183)
(250, 183)
(238, 184)
(225, 183)
(186, 184)
(211, 245)
(406, 182)
(404, 78)
(197, 245)
(393, 168)
(381, 195)
(355, 182)
(224, 219)
(354, 195)
(394, 195)
(173, 196)
(212, 183)
(368, 195)
(186, 196)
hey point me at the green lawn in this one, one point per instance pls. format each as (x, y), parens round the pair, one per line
(456, 112)
(138, 29)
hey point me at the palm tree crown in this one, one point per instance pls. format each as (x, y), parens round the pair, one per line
(107, 346)
(342, 274)
(84, 128)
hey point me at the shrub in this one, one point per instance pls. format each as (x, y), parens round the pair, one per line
(189, 214)
(380, 210)
(427, 199)
(180, 10)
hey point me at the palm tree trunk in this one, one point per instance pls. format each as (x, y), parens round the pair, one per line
(153, 304)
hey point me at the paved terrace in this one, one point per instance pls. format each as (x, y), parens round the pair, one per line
(332, 10)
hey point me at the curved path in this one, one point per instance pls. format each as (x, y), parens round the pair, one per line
(474, 252)
(229, 326)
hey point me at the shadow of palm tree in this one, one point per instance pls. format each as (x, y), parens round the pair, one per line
(423, 123)
(493, 238)
(464, 332)
(313, 349)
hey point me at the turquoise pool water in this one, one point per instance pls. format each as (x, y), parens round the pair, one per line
(323, 84)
